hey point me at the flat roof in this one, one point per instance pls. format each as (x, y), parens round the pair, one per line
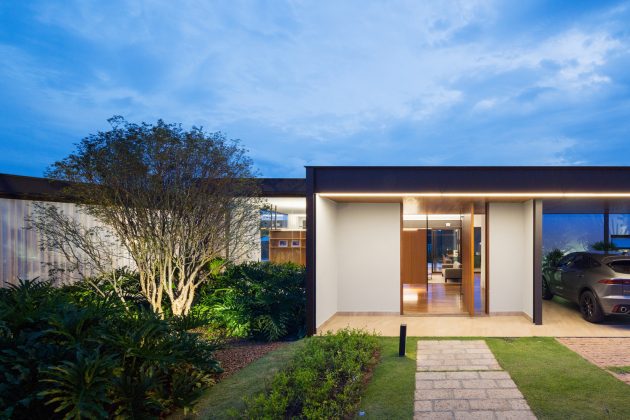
(44, 189)
(564, 189)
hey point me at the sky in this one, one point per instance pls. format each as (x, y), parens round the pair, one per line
(324, 82)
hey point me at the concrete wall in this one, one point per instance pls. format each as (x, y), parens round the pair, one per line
(511, 257)
(326, 262)
(368, 252)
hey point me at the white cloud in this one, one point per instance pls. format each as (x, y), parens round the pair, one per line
(317, 72)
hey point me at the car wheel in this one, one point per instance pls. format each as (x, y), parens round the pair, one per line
(589, 306)
(546, 291)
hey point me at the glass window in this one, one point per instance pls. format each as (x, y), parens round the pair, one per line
(566, 260)
(621, 266)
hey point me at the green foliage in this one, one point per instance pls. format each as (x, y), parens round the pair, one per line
(603, 246)
(66, 352)
(324, 380)
(552, 258)
(262, 300)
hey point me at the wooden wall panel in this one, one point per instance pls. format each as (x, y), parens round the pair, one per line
(414, 257)
(468, 261)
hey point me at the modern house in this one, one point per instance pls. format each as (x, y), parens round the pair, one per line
(464, 241)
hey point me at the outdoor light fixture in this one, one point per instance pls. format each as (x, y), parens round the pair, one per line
(403, 340)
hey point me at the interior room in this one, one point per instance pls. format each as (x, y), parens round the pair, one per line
(436, 247)
(283, 230)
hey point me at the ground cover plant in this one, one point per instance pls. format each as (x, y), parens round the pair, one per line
(69, 353)
(324, 379)
(259, 300)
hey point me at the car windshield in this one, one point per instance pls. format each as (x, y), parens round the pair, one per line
(621, 266)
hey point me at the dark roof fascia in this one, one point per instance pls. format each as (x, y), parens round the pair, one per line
(43, 189)
(462, 179)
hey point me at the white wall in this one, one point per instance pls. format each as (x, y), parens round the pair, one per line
(368, 257)
(326, 261)
(511, 257)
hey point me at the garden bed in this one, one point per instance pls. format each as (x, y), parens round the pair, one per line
(237, 354)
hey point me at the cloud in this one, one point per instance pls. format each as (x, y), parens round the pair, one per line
(323, 82)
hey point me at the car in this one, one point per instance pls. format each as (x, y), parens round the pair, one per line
(599, 283)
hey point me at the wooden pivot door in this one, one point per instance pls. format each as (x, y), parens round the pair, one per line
(414, 257)
(468, 260)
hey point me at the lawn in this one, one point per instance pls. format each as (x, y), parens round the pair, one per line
(228, 395)
(557, 383)
(619, 369)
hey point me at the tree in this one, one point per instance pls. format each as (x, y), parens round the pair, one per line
(91, 253)
(174, 199)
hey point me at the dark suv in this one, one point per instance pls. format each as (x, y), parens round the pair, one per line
(598, 283)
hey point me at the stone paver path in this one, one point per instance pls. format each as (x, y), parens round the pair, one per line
(460, 379)
(603, 352)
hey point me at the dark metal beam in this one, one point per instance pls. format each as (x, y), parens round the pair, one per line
(311, 327)
(606, 229)
(538, 256)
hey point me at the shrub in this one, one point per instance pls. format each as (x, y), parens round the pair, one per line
(66, 352)
(552, 258)
(324, 380)
(262, 300)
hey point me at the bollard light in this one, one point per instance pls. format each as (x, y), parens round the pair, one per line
(403, 340)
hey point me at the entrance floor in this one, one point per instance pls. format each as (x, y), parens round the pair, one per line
(439, 297)
(560, 319)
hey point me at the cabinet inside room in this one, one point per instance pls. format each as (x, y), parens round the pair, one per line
(287, 246)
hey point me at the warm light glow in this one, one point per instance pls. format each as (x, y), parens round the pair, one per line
(483, 194)
(431, 217)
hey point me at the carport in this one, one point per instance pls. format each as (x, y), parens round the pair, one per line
(355, 246)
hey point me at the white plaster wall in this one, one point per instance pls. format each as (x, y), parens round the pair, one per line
(368, 257)
(511, 257)
(326, 261)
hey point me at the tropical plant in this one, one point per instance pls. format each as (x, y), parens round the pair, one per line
(262, 300)
(552, 258)
(603, 246)
(69, 352)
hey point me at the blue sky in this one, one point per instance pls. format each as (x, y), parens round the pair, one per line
(324, 82)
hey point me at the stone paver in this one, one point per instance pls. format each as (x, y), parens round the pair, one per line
(461, 379)
(602, 351)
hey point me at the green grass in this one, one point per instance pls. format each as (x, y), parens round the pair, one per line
(227, 395)
(389, 395)
(619, 369)
(558, 383)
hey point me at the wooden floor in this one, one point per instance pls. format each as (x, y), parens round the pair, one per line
(439, 298)
(560, 319)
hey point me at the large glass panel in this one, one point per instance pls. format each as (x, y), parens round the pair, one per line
(283, 230)
(572, 232)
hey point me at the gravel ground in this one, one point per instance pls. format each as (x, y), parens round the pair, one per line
(238, 354)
